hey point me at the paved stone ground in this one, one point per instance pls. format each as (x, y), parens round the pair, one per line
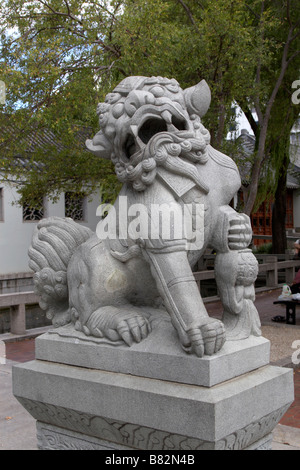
(17, 427)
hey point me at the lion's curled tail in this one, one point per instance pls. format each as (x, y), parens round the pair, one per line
(54, 241)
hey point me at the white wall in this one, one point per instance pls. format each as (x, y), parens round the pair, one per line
(15, 235)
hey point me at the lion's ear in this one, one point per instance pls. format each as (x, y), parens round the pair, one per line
(198, 98)
(100, 146)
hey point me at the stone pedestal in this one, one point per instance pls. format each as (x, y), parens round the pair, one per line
(87, 394)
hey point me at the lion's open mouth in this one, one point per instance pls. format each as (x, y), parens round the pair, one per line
(154, 124)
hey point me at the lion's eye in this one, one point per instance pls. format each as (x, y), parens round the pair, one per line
(157, 91)
(118, 110)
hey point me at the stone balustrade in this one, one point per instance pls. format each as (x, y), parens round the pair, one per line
(270, 267)
(17, 303)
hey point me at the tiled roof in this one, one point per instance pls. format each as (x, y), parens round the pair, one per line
(36, 139)
(292, 179)
(295, 154)
(247, 141)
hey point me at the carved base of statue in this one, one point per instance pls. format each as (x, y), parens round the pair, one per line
(159, 356)
(88, 394)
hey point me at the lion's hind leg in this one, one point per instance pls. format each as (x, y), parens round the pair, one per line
(99, 288)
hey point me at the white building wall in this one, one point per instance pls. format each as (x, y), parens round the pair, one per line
(16, 235)
(57, 209)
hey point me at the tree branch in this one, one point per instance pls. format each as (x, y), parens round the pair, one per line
(52, 9)
(293, 57)
(258, 70)
(284, 65)
(297, 34)
(189, 14)
(68, 8)
(60, 13)
(249, 116)
(288, 12)
(252, 11)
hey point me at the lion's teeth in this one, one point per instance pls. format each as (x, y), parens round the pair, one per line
(140, 142)
(167, 116)
(134, 130)
(172, 128)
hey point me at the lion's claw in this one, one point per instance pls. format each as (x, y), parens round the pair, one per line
(133, 330)
(119, 324)
(207, 338)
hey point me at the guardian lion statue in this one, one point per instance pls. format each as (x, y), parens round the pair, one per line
(151, 130)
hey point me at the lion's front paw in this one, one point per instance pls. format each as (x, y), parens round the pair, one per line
(207, 338)
(117, 324)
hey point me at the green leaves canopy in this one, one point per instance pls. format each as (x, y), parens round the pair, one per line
(59, 58)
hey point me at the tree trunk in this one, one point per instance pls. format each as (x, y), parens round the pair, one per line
(279, 239)
(221, 126)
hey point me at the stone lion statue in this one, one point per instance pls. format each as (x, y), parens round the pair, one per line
(151, 130)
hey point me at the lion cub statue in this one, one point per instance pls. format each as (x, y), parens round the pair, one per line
(104, 282)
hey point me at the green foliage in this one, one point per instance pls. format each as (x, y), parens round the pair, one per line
(59, 58)
(52, 60)
(210, 40)
(265, 249)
